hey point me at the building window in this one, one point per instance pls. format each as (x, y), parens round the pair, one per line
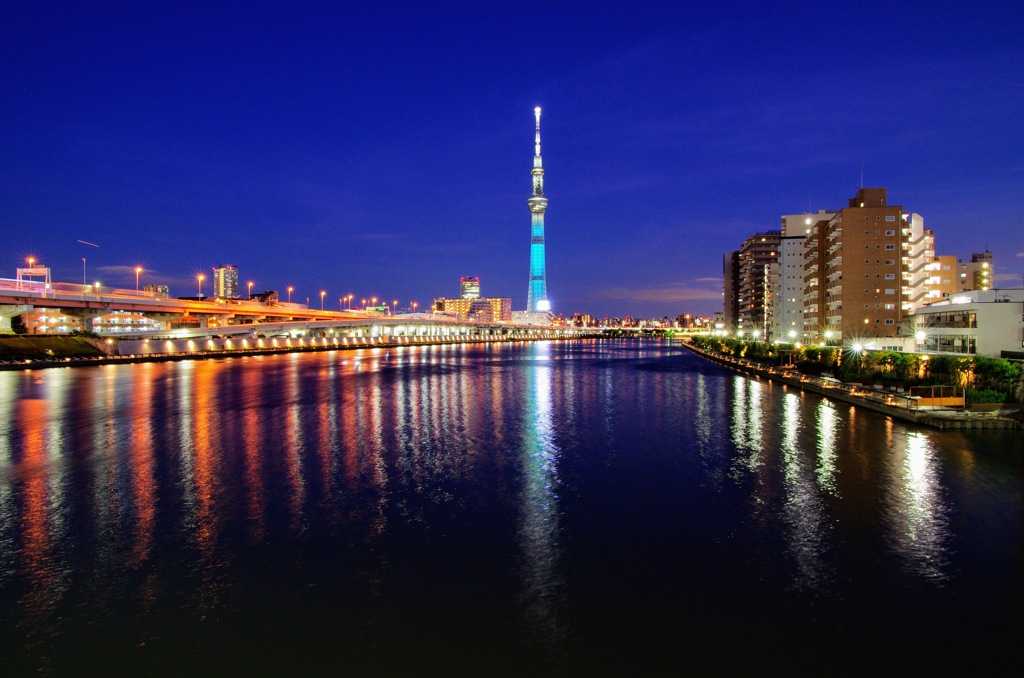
(890, 321)
(890, 232)
(890, 218)
(890, 246)
(890, 262)
(890, 276)
(890, 290)
(890, 307)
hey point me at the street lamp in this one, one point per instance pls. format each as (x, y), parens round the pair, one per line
(290, 288)
(394, 306)
(322, 293)
(200, 278)
(250, 290)
(350, 301)
(31, 261)
(414, 305)
(138, 270)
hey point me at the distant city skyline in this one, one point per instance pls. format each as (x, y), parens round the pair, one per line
(343, 149)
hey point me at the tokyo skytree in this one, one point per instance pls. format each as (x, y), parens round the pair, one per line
(537, 299)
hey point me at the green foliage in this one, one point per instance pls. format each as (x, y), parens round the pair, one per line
(889, 368)
(996, 374)
(987, 395)
(948, 369)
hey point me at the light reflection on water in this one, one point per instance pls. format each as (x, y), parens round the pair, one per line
(804, 513)
(543, 588)
(918, 524)
(138, 499)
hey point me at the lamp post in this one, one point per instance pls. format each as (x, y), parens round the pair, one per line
(290, 288)
(31, 261)
(322, 293)
(414, 305)
(350, 301)
(84, 283)
(200, 278)
(394, 306)
(250, 290)
(138, 270)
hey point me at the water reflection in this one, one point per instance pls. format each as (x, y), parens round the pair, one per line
(917, 514)
(828, 426)
(747, 419)
(539, 528)
(803, 510)
(343, 488)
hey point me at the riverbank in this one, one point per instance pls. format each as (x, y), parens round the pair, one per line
(888, 403)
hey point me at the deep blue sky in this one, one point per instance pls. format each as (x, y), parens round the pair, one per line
(385, 149)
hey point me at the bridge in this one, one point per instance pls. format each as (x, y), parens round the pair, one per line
(205, 325)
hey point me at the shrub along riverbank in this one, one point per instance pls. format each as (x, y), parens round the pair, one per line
(40, 347)
(985, 380)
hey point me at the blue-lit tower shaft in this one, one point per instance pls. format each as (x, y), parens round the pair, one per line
(537, 299)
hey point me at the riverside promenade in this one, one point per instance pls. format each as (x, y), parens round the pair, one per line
(894, 404)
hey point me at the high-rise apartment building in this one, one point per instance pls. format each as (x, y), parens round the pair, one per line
(787, 312)
(757, 255)
(871, 258)
(730, 290)
(225, 281)
(469, 287)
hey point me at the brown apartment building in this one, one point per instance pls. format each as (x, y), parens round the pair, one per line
(865, 269)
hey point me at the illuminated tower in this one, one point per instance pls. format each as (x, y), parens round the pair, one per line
(537, 299)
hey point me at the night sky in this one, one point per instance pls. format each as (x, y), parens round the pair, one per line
(384, 149)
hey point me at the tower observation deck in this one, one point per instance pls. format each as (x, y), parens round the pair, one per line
(537, 299)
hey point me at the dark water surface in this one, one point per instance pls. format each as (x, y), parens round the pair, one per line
(579, 508)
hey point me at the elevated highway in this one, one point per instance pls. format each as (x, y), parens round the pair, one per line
(217, 325)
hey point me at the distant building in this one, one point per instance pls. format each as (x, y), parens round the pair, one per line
(976, 274)
(484, 309)
(125, 323)
(225, 282)
(50, 321)
(469, 287)
(158, 291)
(268, 297)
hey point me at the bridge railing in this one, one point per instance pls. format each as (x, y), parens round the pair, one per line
(41, 289)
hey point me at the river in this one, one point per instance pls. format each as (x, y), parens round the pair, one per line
(598, 507)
